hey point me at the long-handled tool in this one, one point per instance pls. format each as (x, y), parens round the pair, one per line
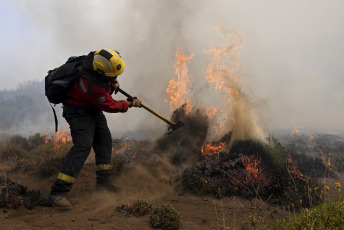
(172, 126)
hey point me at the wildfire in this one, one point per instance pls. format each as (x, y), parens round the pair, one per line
(225, 72)
(210, 112)
(60, 138)
(178, 90)
(295, 130)
(327, 163)
(211, 149)
(125, 146)
(293, 170)
(254, 170)
(312, 138)
(134, 155)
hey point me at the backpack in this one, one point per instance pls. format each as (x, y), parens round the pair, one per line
(58, 81)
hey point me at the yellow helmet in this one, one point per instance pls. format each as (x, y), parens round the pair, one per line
(108, 62)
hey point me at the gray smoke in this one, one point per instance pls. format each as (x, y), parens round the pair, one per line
(291, 55)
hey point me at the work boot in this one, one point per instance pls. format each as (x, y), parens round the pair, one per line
(111, 187)
(60, 202)
(105, 180)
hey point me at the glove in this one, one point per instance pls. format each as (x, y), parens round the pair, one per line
(133, 101)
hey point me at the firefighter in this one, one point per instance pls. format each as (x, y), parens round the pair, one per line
(83, 110)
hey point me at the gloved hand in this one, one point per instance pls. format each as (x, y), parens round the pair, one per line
(133, 101)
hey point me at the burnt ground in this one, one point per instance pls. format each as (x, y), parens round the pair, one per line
(94, 209)
(149, 175)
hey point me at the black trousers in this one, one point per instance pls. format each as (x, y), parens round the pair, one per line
(88, 129)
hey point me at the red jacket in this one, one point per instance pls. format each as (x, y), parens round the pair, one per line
(99, 97)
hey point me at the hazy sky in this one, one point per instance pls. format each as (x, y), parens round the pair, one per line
(291, 56)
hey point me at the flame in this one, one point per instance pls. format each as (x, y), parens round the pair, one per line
(125, 146)
(60, 138)
(254, 170)
(312, 138)
(188, 107)
(295, 130)
(293, 170)
(134, 155)
(224, 72)
(210, 112)
(45, 137)
(178, 90)
(326, 163)
(211, 149)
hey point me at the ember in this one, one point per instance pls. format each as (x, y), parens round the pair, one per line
(211, 149)
(294, 171)
(255, 170)
(250, 169)
(14, 195)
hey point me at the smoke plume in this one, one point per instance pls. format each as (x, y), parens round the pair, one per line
(290, 59)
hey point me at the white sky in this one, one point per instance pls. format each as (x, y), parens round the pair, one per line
(291, 57)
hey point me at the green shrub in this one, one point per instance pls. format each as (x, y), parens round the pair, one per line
(117, 164)
(326, 216)
(195, 182)
(165, 217)
(141, 208)
(277, 154)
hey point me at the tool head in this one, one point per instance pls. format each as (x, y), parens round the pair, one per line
(174, 127)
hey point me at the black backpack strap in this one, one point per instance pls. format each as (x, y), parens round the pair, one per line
(56, 121)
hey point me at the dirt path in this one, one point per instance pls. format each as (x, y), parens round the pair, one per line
(93, 209)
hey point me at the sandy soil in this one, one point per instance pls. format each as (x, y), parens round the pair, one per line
(94, 209)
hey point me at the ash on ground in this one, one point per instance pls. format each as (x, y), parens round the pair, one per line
(14, 195)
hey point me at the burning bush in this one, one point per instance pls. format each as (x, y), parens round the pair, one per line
(184, 143)
(252, 169)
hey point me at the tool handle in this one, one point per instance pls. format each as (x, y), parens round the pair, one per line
(157, 114)
(147, 108)
(123, 92)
